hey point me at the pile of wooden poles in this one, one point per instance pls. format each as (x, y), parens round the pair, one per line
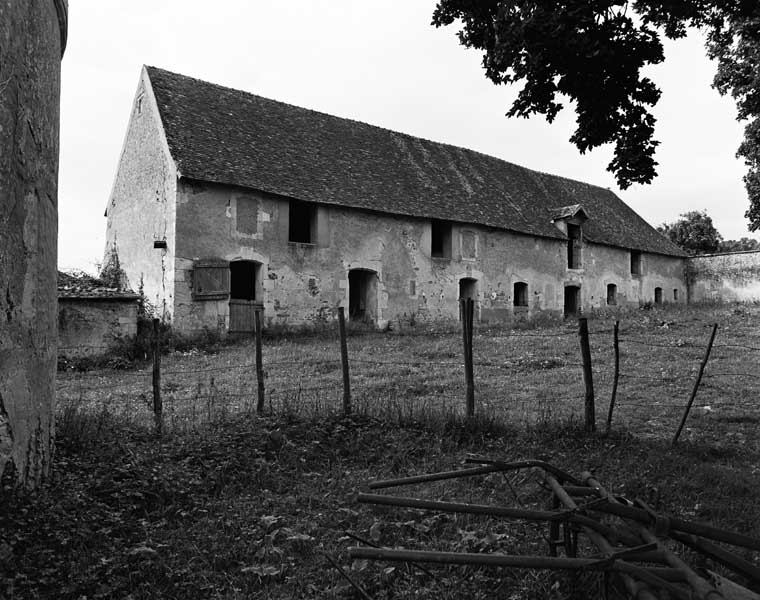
(632, 540)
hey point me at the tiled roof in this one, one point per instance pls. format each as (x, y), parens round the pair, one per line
(222, 135)
(86, 287)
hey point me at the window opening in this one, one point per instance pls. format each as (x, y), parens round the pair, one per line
(301, 222)
(658, 295)
(635, 263)
(520, 294)
(573, 246)
(611, 294)
(675, 295)
(440, 239)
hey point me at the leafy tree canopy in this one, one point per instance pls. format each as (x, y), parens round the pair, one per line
(694, 232)
(739, 245)
(591, 52)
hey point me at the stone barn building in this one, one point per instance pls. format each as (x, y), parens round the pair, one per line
(223, 199)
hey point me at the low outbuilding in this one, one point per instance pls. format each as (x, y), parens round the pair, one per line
(93, 316)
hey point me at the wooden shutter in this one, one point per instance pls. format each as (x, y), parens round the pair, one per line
(211, 279)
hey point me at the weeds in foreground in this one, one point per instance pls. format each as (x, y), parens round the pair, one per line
(248, 507)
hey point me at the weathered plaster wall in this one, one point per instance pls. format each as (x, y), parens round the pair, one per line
(724, 277)
(90, 327)
(307, 282)
(141, 209)
(31, 45)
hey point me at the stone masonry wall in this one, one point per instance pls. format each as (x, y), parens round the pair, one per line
(141, 207)
(90, 327)
(303, 283)
(724, 277)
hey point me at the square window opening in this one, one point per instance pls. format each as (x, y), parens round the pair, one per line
(440, 239)
(302, 221)
(635, 263)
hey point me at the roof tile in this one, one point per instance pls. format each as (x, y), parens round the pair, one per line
(218, 134)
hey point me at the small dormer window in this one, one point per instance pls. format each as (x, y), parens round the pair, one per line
(139, 103)
(573, 246)
(569, 219)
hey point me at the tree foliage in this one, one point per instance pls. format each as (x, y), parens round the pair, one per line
(592, 52)
(694, 232)
(742, 245)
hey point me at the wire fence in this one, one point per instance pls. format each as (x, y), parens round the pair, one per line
(526, 377)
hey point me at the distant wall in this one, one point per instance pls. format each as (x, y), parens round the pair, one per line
(88, 327)
(732, 277)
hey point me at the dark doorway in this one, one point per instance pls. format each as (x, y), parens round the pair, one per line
(611, 294)
(658, 295)
(362, 295)
(520, 294)
(468, 288)
(244, 295)
(572, 300)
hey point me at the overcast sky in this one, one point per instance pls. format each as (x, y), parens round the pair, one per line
(377, 62)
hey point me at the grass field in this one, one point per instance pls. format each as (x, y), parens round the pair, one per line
(233, 505)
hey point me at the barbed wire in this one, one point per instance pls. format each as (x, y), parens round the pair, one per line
(743, 346)
(727, 374)
(675, 345)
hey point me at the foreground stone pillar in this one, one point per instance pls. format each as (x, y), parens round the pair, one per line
(32, 41)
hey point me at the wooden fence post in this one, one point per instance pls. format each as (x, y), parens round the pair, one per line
(616, 345)
(467, 311)
(588, 379)
(344, 361)
(696, 383)
(259, 362)
(158, 407)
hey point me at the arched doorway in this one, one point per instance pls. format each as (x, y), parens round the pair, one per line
(572, 300)
(362, 295)
(245, 294)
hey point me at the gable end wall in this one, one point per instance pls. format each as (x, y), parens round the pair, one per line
(141, 209)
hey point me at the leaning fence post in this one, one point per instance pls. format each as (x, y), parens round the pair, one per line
(344, 361)
(259, 362)
(616, 376)
(696, 383)
(158, 408)
(467, 311)
(588, 379)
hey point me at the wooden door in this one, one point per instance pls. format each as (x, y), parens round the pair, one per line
(241, 316)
